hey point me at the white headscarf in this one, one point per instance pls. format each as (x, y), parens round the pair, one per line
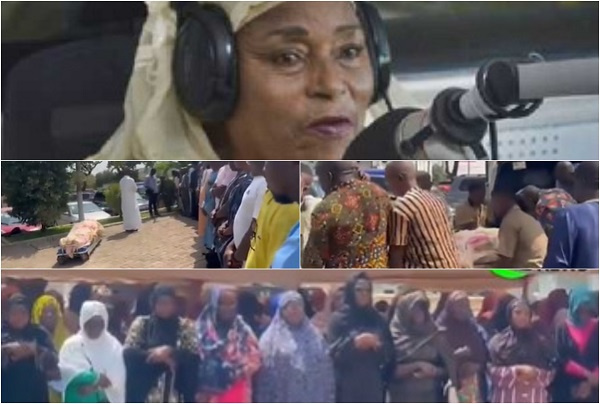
(104, 355)
(156, 126)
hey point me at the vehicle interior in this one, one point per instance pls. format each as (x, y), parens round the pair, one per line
(66, 65)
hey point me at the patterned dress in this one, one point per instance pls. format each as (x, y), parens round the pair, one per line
(349, 228)
(551, 200)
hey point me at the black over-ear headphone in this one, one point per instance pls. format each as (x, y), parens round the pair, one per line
(205, 66)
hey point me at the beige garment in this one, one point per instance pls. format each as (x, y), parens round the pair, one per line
(308, 205)
(522, 239)
(156, 126)
(470, 217)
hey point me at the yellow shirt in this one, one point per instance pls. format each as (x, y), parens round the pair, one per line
(273, 225)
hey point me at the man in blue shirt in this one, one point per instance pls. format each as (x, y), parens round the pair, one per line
(574, 239)
(283, 180)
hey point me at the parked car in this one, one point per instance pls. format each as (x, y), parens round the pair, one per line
(12, 225)
(143, 203)
(90, 209)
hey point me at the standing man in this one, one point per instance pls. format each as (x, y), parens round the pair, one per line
(282, 180)
(473, 213)
(349, 227)
(151, 186)
(185, 192)
(420, 235)
(574, 239)
(522, 242)
(132, 220)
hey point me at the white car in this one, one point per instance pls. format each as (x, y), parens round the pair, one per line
(91, 211)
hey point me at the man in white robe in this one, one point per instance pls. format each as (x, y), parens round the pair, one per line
(132, 220)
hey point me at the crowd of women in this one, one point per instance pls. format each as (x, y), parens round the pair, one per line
(303, 348)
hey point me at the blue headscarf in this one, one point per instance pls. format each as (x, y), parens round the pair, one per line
(296, 364)
(580, 296)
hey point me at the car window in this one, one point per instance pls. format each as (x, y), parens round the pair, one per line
(467, 182)
(9, 220)
(88, 207)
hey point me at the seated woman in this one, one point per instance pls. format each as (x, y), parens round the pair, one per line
(161, 353)
(296, 367)
(468, 341)
(577, 341)
(91, 361)
(424, 359)
(229, 351)
(521, 360)
(360, 345)
(28, 356)
(305, 78)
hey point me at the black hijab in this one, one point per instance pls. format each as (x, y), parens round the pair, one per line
(351, 316)
(500, 319)
(513, 346)
(162, 331)
(29, 333)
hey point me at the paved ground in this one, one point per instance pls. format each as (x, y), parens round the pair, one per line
(168, 242)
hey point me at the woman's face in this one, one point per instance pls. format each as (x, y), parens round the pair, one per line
(521, 316)
(228, 303)
(293, 313)
(362, 293)
(417, 314)
(18, 317)
(305, 83)
(94, 327)
(460, 309)
(49, 318)
(165, 307)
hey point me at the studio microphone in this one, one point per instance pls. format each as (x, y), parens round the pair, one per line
(458, 120)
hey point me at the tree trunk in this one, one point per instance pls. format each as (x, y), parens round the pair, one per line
(79, 182)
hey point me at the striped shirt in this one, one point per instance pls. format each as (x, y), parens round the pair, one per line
(420, 223)
(508, 388)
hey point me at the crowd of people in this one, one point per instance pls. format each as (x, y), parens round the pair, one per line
(359, 225)
(247, 212)
(296, 346)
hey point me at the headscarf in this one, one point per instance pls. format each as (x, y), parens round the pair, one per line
(30, 332)
(223, 360)
(288, 350)
(405, 334)
(514, 346)
(499, 320)
(152, 108)
(81, 354)
(351, 316)
(60, 333)
(579, 297)
(156, 126)
(250, 308)
(462, 333)
(162, 331)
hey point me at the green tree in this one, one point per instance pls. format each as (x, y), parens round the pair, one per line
(124, 167)
(105, 177)
(38, 191)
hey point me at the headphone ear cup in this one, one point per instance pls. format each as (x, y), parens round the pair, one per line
(205, 63)
(378, 46)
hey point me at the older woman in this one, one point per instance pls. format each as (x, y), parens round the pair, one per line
(229, 353)
(424, 359)
(28, 356)
(298, 88)
(296, 367)
(91, 361)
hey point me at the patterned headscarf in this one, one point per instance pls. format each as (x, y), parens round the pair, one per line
(60, 332)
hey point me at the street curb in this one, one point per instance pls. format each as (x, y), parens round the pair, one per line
(55, 238)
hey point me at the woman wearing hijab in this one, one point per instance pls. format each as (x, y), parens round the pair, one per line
(28, 356)
(424, 360)
(296, 367)
(229, 353)
(47, 313)
(161, 353)
(577, 342)
(499, 319)
(521, 359)
(291, 102)
(360, 345)
(468, 341)
(91, 361)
